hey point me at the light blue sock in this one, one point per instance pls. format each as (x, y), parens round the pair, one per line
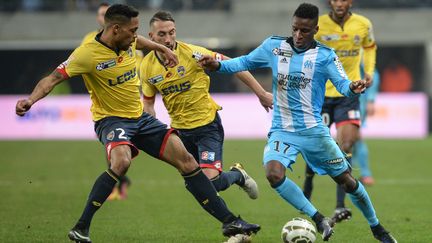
(289, 191)
(361, 200)
(362, 157)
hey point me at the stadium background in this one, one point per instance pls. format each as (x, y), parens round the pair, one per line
(38, 174)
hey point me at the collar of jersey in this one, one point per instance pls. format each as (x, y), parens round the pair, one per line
(290, 41)
(97, 38)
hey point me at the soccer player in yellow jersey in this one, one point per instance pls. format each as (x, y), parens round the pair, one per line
(121, 190)
(185, 93)
(107, 65)
(350, 35)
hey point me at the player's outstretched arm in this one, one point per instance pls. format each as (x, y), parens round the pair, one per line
(170, 58)
(42, 89)
(265, 98)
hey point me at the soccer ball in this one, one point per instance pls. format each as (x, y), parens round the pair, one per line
(298, 230)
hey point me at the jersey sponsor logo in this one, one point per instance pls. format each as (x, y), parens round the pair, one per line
(293, 81)
(339, 67)
(120, 59)
(282, 52)
(130, 52)
(332, 37)
(206, 155)
(181, 71)
(197, 55)
(104, 65)
(348, 53)
(335, 161)
(168, 75)
(123, 78)
(175, 88)
(155, 79)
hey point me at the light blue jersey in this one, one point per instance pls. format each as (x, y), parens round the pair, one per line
(299, 79)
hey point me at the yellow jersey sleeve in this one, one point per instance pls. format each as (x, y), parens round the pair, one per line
(79, 62)
(369, 46)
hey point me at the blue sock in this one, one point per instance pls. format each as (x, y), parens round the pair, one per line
(289, 191)
(226, 179)
(361, 200)
(362, 157)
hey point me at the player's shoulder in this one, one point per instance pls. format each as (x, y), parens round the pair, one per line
(273, 39)
(324, 18)
(361, 19)
(324, 47)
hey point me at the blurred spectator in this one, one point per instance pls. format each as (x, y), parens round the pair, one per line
(396, 77)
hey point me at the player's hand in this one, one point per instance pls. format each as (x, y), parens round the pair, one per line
(358, 86)
(369, 80)
(23, 106)
(208, 62)
(170, 58)
(266, 101)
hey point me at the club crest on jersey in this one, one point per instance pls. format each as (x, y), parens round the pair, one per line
(282, 52)
(104, 65)
(308, 64)
(156, 79)
(206, 155)
(110, 136)
(181, 71)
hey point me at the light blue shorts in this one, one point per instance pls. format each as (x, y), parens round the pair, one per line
(317, 147)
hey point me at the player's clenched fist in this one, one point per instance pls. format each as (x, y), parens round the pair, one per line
(23, 106)
(358, 86)
(209, 62)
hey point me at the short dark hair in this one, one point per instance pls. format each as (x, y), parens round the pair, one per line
(307, 11)
(162, 16)
(120, 13)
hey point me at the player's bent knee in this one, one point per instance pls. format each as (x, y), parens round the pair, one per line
(274, 176)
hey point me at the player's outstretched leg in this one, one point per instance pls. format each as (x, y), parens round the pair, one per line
(202, 189)
(290, 192)
(361, 200)
(247, 183)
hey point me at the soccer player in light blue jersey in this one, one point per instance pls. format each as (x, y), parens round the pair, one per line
(300, 68)
(361, 151)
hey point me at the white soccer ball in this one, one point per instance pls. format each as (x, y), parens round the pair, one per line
(298, 230)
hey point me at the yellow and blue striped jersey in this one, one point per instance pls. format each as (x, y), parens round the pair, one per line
(184, 88)
(348, 42)
(110, 77)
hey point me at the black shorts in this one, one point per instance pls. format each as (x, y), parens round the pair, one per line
(341, 110)
(145, 133)
(205, 143)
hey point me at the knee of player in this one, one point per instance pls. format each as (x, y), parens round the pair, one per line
(187, 163)
(120, 165)
(274, 176)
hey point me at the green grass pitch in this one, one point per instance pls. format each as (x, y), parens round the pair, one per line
(44, 185)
